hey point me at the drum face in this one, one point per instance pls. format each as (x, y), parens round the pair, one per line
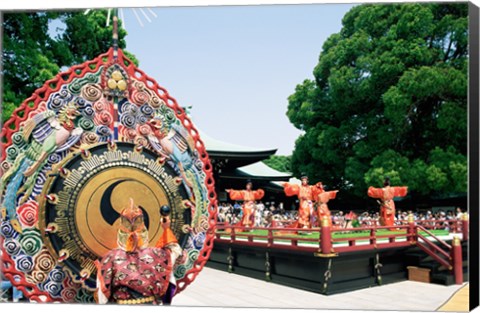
(86, 142)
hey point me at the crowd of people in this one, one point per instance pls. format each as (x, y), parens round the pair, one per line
(265, 213)
(439, 219)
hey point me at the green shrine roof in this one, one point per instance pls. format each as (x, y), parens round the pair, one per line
(215, 146)
(258, 170)
(241, 162)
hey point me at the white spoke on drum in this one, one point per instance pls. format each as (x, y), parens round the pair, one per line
(108, 17)
(138, 17)
(151, 12)
(145, 14)
(124, 25)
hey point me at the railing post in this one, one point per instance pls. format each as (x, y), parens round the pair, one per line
(270, 238)
(325, 237)
(465, 224)
(373, 234)
(457, 260)
(326, 247)
(230, 254)
(411, 230)
(232, 234)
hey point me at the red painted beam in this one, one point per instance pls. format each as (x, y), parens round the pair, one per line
(457, 261)
(434, 255)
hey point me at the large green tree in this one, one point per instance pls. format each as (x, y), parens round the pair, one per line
(31, 55)
(389, 98)
(280, 163)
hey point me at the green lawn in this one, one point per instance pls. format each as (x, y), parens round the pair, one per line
(336, 235)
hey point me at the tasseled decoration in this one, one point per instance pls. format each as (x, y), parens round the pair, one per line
(167, 237)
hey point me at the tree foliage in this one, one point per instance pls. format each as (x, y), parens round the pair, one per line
(389, 98)
(31, 56)
(280, 163)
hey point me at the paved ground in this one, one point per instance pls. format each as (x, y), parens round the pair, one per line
(217, 291)
(214, 288)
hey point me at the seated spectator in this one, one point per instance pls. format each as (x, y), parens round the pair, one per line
(459, 213)
(258, 218)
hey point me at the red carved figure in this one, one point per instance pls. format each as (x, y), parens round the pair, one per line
(307, 194)
(248, 196)
(135, 273)
(322, 207)
(385, 196)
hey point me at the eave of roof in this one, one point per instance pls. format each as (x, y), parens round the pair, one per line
(218, 148)
(258, 171)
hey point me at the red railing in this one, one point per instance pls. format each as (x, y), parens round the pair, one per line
(453, 226)
(277, 237)
(450, 256)
(432, 249)
(287, 238)
(374, 240)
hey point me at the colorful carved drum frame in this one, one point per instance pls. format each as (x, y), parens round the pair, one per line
(74, 153)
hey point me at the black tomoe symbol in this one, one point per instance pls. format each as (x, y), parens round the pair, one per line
(106, 208)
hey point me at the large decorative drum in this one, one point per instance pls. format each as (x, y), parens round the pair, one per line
(74, 153)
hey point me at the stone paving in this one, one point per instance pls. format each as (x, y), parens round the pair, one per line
(217, 291)
(214, 288)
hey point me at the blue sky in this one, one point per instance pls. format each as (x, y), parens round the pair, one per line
(236, 66)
